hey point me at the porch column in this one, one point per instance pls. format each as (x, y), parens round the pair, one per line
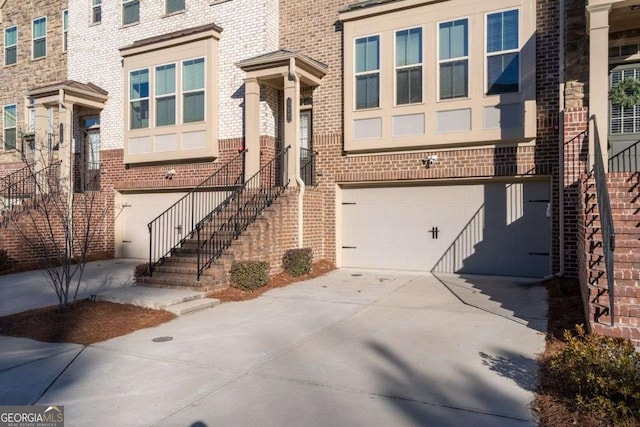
(41, 149)
(599, 76)
(291, 124)
(252, 126)
(65, 117)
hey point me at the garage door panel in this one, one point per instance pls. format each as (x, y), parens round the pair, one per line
(493, 228)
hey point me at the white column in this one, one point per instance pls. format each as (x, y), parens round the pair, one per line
(292, 125)
(252, 126)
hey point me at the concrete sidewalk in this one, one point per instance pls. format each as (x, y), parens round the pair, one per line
(349, 348)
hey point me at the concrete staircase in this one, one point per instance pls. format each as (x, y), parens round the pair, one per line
(624, 192)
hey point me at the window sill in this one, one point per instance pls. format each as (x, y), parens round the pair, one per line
(177, 12)
(10, 65)
(444, 101)
(133, 24)
(364, 110)
(38, 59)
(413, 104)
(214, 2)
(94, 24)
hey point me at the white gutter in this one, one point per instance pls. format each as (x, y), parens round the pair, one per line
(296, 159)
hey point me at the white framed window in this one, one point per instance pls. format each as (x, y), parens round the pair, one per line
(503, 52)
(165, 92)
(453, 59)
(65, 30)
(624, 120)
(130, 11)
(367, 72)
(96, 11)
(173, 6)
(409, 66)
(39, 37)
(139, 99)
(10, 126)
(11, 45)
(193, 99)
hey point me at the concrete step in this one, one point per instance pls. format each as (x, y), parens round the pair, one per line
(147, 297)
(193, 306)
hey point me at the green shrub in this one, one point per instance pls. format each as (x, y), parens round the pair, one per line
(601, 373)
(297, 262)
(249, 275)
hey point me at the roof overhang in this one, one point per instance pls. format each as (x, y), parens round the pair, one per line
(369, 8)
(175, 38)
(272, 66)
(69, 91)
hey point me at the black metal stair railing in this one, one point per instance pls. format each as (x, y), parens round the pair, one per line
(172, 227)
(215, 232)
(308, 166)
(606, 217)
(626, 160)
(27, 183)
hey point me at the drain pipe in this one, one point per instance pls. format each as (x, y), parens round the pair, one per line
(296, 153)
(561, 101)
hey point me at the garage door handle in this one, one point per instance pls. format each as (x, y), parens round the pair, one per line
(348, 247)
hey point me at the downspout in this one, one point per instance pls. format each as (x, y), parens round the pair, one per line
(561, 101)
(296, 153)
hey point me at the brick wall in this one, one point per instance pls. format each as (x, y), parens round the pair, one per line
(576, 54)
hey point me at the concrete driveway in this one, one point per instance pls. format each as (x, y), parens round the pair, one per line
(350, 348)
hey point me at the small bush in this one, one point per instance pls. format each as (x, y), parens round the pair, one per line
(297, 262)
(141, 270)
(249, 275)
(601, 373)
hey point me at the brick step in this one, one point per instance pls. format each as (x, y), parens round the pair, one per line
(189, 269)
(180, 281)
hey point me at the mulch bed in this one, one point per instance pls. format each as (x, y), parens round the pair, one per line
(280, 280)
(85, 322)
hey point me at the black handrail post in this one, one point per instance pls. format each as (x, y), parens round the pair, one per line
(149, 226)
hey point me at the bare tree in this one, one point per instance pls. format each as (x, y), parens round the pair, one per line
(59, 220)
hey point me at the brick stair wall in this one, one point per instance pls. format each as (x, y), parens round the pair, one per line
(624, 193)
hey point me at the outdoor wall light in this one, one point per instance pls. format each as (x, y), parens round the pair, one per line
(430, 161)
(170, 174)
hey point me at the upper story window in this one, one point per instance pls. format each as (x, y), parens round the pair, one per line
(10, 126)
(174, 6)
(65, 30)
(11, 45)
(409, 66)
(503, 54)
(367, 72)
(39, 36)
(166, 95)
(96, 11)
(453, 59)
(130, 11)
(139, 99)
(193, 90)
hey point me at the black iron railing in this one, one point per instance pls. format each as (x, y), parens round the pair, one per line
(627, 160)
(308, 166)
(606, 217)
(26, 183)
(173, 226)
(215, 232)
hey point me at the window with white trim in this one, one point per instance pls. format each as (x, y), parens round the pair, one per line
(96, 11)
(130, 11)
(166, 95)
(624, 120)
(367, 72)
(173, 6)
(409, 66)
(193, 80)
(10, 126)
(139, 99)
(503, 52)
(39, 37)
(65, 30)
(11, 45)
(453, 59)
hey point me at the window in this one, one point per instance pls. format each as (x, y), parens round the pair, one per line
(96, 11)
(166, 95)
(624, 120)
(174, 6)
(130, 11)
(65, 30)
(454, 59)
(139, 99)
(193, 90)
(10, 126)
(409, 66)
(367, 72)
(39, 36)
(503, 56)
(11, 46)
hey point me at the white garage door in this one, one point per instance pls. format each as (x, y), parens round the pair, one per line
(496, 228)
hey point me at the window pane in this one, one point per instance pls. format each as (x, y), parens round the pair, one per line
(367, 91)
(130, 12)
(175, 5)
(139, 83)
(39, 28)
(510, 30)
(97, 14)
(454, 39)
(10, 116)
(409, 47)
(11, 36)
(494, 32)
(409, 85)
(193, 107)
(39, 48)
(165, 79)
(139, 114)
(367, 51)
(502, 73)
(460, 75)
(11, 56)
(10, 139)
(372, 54)
(166, 111)
(65, 20)
(193, 74)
